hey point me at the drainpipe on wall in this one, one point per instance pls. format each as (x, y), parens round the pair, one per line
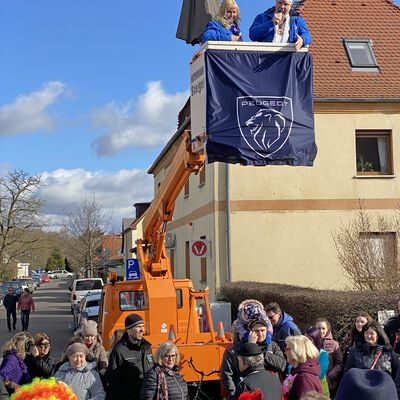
(228, 224)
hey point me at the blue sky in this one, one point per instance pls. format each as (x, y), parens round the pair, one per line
(90, 92)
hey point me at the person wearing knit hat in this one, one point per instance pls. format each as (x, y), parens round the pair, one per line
(80, 375)
(129, 361)
(366, 384)
(133, 320)
(93, 342)
(248, 311)
(274, 359)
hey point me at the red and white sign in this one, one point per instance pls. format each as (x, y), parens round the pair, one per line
(199, 248)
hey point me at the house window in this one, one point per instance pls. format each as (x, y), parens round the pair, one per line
(374, 153)
(186, 189)
(187, 259)
(202, 176)
(203, 266)
(378, 258)
(172, 261)
(360, 54)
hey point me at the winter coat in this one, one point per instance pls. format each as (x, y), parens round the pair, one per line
(284, 328)
(215, 31)
(257, 378)
(306, 379)
(10, 302)
(274, 360)
(127, 366)
(40, 367)
(263, 29)
(98, 354)
(14, 369)
(177, 387)
(85, 381)
(363, 356)
(324, 365)
(26, 303)
(335, 368)
(392, 329)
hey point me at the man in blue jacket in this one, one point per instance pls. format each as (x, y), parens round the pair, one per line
(282, 323)
(10, 303)
(280, 24)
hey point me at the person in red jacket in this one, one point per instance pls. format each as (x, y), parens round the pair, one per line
(25, 305)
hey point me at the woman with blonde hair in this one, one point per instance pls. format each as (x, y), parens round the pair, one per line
(164, 380)
(304, 378)
(226, 26)
(13, 370)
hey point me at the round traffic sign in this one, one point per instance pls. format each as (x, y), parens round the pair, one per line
(199, 248)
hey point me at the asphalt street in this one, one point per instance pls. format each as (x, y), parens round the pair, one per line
(52, 315)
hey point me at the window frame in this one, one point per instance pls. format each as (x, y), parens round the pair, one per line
(145, 301)
(353, 64)
(359, 134)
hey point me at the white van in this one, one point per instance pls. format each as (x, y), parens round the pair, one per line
(81, 287)
(62, 273)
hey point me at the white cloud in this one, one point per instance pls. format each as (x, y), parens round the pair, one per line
(4, 168)
(115, 192)
(149, 122)
(28, 113)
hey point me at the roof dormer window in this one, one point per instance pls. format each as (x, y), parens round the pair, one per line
(361, 55)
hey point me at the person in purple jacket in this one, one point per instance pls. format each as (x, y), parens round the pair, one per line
(226, 26)
(304, 377)
(13, 370)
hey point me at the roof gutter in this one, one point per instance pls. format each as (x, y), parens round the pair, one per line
(354, 100)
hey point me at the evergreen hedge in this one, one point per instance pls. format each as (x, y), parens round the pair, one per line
(305, 305)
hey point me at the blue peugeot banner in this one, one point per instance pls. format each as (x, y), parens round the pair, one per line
(132, 269)
(259, 107)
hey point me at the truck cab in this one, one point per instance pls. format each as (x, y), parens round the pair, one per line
(121, 299)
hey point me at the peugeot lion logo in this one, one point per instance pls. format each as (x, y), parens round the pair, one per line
(265, 122)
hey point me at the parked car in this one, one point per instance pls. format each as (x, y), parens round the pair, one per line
(45, 277)
(36, 281)
(51, 275)
(3, 292)
(62, 273)
(15, 285)
(89, 310)
(81, 287)
(37, 276)
(26, 283)
(77, 314)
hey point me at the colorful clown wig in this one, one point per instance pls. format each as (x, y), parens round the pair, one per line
(44, 389)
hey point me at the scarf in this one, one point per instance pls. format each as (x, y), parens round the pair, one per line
(162, 387)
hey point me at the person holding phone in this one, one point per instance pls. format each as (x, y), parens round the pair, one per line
(280, 24)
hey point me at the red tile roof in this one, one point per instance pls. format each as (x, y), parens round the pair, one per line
(113, 243)
(331, 20)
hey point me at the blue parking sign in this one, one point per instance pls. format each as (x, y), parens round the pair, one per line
(132, 269)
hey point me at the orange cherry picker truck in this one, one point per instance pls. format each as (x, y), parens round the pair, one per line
(168, 306)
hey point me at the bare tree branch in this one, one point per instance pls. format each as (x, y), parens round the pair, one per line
(20, 217)
(367, 247)
(84, 227)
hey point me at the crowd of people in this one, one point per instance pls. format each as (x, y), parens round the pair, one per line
(278, 24)
(270, 358)
(309, 365)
